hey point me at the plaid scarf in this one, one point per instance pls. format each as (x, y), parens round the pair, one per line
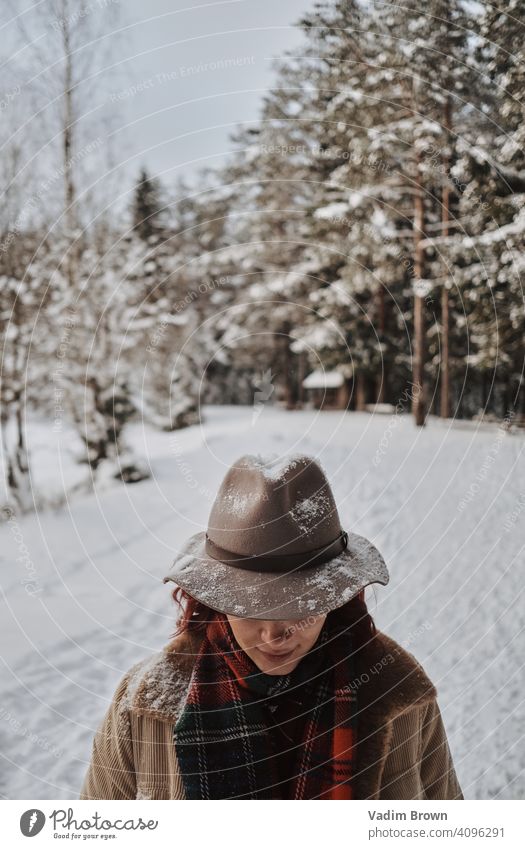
(223, 740)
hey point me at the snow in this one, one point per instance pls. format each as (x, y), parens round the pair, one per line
(319, 379)
(273, 466)
(96, 604)
(308, 512)
(237, 503)
(332, 210)
(318, 336)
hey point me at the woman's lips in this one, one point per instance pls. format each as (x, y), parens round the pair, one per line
(277, 655)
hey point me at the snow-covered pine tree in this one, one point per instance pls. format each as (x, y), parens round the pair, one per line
(186, 365)
(96, 377)
(352, 232)
(23, 297)
(281, 166)
(149, 208)
(270, 243)
(420, 70)
(492, 174)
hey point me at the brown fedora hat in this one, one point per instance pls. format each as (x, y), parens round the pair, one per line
(274, 547)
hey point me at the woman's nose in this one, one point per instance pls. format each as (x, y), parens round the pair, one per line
(274, 632)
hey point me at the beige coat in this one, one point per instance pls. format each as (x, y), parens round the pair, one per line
(402, 750)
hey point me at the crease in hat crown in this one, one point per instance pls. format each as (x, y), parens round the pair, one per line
(271, 505)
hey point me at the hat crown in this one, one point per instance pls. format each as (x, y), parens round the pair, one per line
(270, 506)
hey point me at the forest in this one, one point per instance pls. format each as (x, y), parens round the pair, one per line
(370, 222)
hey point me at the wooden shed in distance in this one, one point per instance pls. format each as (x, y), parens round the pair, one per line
(326, 390)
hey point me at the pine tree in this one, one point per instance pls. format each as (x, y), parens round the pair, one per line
(485, 255)
(148, 208)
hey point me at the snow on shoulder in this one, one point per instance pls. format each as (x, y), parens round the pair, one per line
(157, 684)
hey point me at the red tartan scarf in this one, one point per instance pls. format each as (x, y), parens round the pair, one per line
(223, 738)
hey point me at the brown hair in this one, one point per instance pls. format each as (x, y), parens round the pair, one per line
(194, 616)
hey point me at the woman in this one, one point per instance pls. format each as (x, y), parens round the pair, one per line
(277, 684)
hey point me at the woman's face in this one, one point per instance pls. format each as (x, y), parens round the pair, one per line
(276, 646)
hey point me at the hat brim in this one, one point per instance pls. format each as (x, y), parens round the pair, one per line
(296, 594)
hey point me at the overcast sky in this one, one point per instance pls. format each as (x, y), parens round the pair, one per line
(193, 71)
(178, 77)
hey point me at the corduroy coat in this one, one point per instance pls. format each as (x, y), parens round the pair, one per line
(401, 753)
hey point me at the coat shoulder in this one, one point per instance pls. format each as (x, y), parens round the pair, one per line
(390, 679)
(157, 685)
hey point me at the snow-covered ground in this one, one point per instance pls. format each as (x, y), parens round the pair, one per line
(83, 599)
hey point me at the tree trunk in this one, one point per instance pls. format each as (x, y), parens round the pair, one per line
(445, 371)
(418, 397)
(360, 392)
(445, 356)
(301, 375)
(483, 399)
(381, 323)
(287, 360)
(17, 460)
(18, 466)
(68, 129)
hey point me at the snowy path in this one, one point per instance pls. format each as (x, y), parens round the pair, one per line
(445, 506)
